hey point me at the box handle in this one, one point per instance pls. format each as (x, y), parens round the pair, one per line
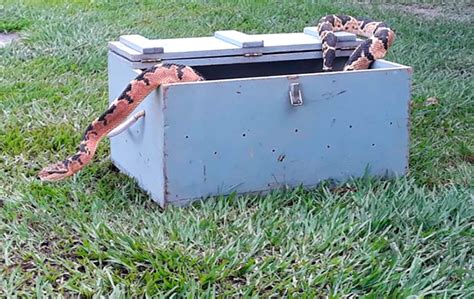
(141, 44)
(342, 36)
(296, 99)
(126, 124)
(238, 39)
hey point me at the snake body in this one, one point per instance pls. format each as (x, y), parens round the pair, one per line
(379, 38)
(116, 113)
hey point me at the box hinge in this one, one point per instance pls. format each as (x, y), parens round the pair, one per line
(253, 54)
(151, 60)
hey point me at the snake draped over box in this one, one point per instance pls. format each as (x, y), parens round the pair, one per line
(379, 38)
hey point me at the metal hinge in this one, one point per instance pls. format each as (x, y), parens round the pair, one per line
(151, 60)
(252, 54)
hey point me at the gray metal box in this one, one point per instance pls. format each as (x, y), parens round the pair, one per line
(239, 131)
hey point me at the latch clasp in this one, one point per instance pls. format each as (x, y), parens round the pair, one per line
(296, 99)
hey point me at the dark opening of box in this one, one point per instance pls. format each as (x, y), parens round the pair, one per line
(263, 69)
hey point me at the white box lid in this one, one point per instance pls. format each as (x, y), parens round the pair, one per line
(225, 43)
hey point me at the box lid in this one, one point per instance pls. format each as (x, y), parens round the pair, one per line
(227, 43)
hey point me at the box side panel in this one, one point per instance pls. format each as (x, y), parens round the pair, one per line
(244, 136)
(138, 151)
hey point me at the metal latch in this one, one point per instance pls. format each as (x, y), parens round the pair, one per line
(296, 99)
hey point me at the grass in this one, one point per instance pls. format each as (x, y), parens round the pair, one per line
(13, 25)
(98, 234)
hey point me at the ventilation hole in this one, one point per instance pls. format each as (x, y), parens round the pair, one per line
(273, 150)
(187, 136)
(391, 123)
(296, 130)
(243, 135)
(373, 144)
(350, 126)
(215, 153)
(328, 146)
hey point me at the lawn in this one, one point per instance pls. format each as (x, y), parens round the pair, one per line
(98, 234)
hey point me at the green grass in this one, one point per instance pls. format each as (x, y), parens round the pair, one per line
(98, 234)
(13, 25)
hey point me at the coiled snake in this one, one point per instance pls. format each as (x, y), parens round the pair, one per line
(379, 38)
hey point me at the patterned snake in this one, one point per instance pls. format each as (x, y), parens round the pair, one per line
(379, 38)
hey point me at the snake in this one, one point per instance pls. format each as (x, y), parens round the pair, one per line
(118, 110)
(379, 37)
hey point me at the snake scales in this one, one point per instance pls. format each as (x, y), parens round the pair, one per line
(379, 38)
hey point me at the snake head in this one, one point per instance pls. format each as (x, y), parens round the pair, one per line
(54, 172)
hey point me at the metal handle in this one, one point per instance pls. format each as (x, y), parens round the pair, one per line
(296, 99)
(141, 44)
(126, 124)
(239, 39)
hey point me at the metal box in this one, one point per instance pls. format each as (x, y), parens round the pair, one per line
(265, 117)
